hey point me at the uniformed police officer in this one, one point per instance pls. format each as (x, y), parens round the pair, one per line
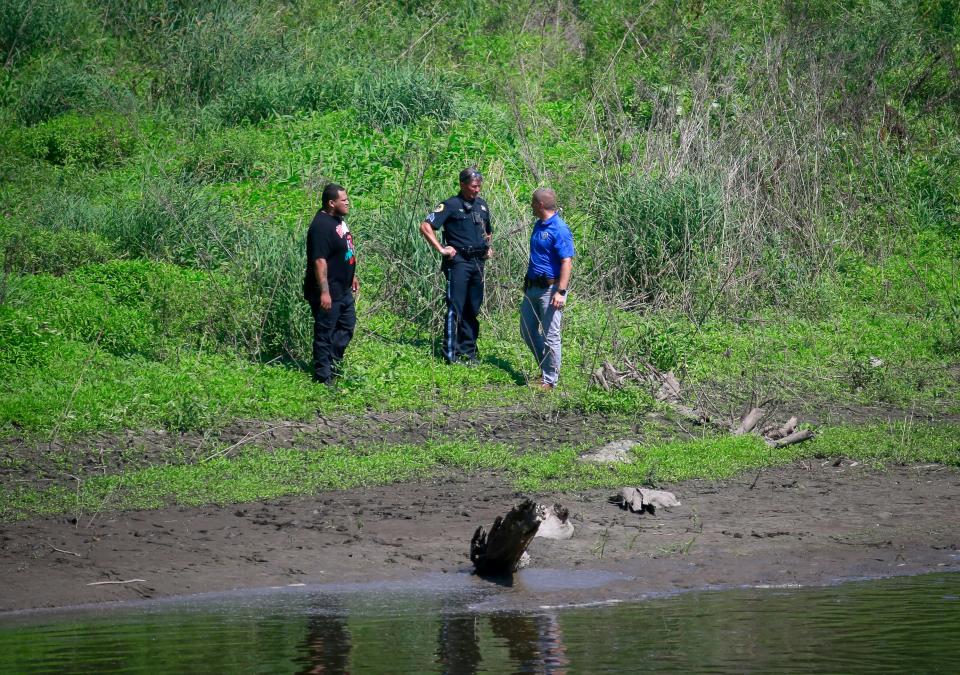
(465, 220)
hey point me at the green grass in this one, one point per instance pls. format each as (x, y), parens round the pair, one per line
(761, 202)
(257, 474)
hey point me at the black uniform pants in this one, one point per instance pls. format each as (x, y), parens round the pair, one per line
(464, 298)
(332, 332)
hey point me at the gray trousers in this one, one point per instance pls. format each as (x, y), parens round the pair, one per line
(540, 328)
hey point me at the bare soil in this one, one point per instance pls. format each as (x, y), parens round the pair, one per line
(809, 523)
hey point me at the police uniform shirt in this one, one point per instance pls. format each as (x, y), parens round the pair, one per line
(464, 223)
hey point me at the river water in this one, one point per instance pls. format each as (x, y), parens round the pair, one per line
(459, 624)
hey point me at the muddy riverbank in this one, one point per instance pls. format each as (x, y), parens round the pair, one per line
(809, 523)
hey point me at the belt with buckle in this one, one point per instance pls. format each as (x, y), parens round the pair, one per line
(538, 282)
(470, 252)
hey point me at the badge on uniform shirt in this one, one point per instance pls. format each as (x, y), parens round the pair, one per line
(439, 208)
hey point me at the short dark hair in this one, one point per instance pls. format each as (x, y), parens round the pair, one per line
(330, 192)
(470, 174)
(546, 197)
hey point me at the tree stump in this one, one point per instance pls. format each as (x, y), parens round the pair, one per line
(498, 553)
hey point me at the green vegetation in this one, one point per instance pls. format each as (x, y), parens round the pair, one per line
(765, 198)
(258, 474)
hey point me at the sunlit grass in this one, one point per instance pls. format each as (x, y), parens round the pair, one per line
(258, 474)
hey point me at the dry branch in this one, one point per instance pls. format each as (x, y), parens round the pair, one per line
(750, 420)
(666, 388)
(795, 437)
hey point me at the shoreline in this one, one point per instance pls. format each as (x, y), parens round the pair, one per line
(807, 523)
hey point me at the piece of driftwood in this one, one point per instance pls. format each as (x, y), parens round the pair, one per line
(498, 552)
(557, 523)
(774, 436)
(749, 422)
(644, 500)
(795, 437)
(666, 388)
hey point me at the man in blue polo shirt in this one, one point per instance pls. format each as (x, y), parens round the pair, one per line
(545, 286)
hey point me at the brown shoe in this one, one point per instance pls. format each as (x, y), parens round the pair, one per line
(544, 386)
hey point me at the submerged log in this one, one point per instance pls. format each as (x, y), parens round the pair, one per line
(499, 552)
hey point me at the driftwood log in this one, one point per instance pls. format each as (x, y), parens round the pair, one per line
(498, 552)
(665, 388)
(641, 499)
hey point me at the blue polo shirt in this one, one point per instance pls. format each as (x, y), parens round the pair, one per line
(550, 242)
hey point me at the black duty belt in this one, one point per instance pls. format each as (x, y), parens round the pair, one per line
(472, 252)
(538, 282)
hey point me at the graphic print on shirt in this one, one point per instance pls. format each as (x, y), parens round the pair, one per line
(344, 232)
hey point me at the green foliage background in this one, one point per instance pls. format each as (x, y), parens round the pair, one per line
(765, 198)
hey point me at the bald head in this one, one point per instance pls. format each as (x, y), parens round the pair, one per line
(546, 198)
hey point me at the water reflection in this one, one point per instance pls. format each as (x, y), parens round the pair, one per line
(904, 625)
(458, 644)
(534, 643)
(327, 646)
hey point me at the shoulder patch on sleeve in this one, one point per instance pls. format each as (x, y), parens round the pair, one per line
(439, 208)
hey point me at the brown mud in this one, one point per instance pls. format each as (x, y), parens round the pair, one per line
(809, 523)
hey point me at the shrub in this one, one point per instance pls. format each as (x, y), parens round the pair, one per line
(232, 154)
(652, 231)
(72, 139)
(138, 307)
(35, 250)
(24, 340)
(412, 284)
(60, 86)
(271, 93)
(26, 25)
(210, 51)
(400, 95)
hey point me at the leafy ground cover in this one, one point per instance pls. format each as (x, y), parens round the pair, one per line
(226, 476)
(765, 199)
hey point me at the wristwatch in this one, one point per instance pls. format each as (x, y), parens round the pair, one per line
(562, 291)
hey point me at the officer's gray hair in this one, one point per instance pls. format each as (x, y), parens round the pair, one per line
(470, 174)
(546, 198)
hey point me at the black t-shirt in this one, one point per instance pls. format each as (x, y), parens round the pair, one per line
(464, 223)
(329, 238)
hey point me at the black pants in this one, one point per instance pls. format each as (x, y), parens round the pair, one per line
(464, 298)
(332, 331)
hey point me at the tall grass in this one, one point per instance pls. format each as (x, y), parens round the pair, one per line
(26, 26)
(50, 88)
(714, 161)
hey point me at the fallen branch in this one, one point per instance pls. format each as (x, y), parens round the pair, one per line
(128, 581)
(665, 388)
(750, 420)
(60, 550)
(795, 437)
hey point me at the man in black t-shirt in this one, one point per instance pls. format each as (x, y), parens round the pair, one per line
(330, 282)
(465, 219)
